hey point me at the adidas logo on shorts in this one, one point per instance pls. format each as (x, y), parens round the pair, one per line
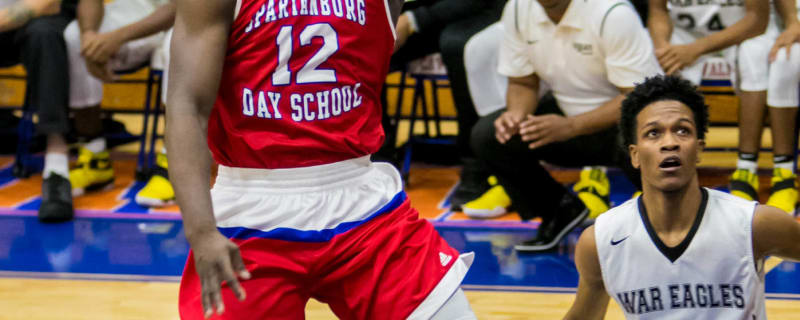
(444, 258)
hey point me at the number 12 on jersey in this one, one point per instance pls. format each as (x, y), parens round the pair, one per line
(309, 73)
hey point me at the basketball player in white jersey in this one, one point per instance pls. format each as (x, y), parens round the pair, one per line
(687, 33)
(774, 85)
(105, 39)
(679, 250)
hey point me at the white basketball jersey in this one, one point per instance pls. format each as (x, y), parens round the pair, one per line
(710, 275)
(703, 17)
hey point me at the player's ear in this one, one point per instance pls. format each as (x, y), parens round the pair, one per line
(701, 145)
(633, 152)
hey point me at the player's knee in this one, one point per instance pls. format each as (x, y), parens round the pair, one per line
(451, 44)
(786, 67)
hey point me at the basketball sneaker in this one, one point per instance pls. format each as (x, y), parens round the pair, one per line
(744, 184)
(93, 172)
(593, 189)
(571, 213)
(158, 191)
(56, 200)
(493, 203)
(471, 184)
(783, 194)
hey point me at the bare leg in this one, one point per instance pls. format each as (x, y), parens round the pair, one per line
(744, 181)
(751, 120)
(56, 143)
(55, 159)
(782, 121)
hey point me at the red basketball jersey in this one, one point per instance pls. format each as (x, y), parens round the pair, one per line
(301, 83)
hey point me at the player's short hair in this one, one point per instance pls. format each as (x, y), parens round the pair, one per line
(660, 88)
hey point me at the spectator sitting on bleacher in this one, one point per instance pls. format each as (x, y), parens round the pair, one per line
(781, 85)
(120, 36)
(590, 54)
(688, 33)
(445, 26)
(31, 34)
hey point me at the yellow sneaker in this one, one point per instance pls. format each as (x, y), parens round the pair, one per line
(593, 189)
(93, 172)
(158, 191)
(491, 204)
(783, 194)
(744, 184)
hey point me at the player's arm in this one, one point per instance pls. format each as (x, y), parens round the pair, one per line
(752, 24)
(775, 233)
(787, 11)
(514, 62)
(591, 300)
(659, 23)
(676, 57)
(100, 47)
(90, 15)
(541, 130)
(522, 95)
(159, 20)
(19, 13)
(197, 53)
(604, 117)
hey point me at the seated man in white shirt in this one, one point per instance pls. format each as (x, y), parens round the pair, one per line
(589, 54)
(105, 40)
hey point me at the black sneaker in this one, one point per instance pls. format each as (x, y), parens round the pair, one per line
(472, 184)
(56, 200)
(572, 213)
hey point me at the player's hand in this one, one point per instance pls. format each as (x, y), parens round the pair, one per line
(507, 125)
(100, 47)
(100, 71)
(545, 129)
(43, 7)
(787, 38)
(673, 58)
(217, 259)
(403, 30)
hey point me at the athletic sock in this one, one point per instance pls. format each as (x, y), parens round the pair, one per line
(784, 162)
(748, 162)
(55, 163)
(96, 145)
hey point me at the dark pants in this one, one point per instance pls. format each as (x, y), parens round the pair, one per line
(39, 46)
(449, 41)
(532, 190)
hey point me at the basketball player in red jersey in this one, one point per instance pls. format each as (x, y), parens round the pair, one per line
(286, 95)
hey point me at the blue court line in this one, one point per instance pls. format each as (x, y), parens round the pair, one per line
(130, 195)
(444, 216)
(7, 174)
(88, 276)
(32, 204)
